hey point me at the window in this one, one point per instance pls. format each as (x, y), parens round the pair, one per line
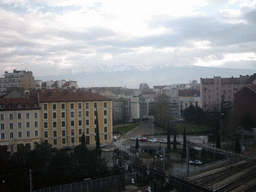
(54, 133)
(36, 133)
(87, 105)
(105, 137)
(80, 131)
(204, 96)
(19, 106)
(209, 96)
(62, 114)
(105, 112)
(11, 135)
(35, 115)
(19, 134)
(63, 132)
(72, 132)
(54, 124)
(87, 113)
(217, 88)
(95, 121)
(95, 105)
(1, 116)
(27, 105)
(95, 130)
(105, 129)
(217, 94)
(28, 124)
(45, 106)
(46, 134)
(105, 104)
(80, 139)
(63, 140)
(54, 115)
(72, 114)
(19, 125)
(2, 136)
(1, 106)
(63, 123)
(45, 124)
(79, 105)
(87, 122)
(87, 130)
(28, 133)
(72, 123)
(27, 115)
(71, 105)
(54, 141)
(79, 113)
(19, 115)
(105, 121)
(10, 116)
(54, 106)
(72, 140)
(95, 113)
(36, 124)
(79, 122)
(45, 115)
(11, 125)
(63, 106)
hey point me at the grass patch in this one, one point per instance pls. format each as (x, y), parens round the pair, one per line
(190, 129)
(126, 128)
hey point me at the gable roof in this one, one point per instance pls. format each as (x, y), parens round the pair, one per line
(69, 96)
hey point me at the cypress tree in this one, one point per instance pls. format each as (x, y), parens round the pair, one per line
(98, 149)
(184, 140)
(174, 142)
(168, 137)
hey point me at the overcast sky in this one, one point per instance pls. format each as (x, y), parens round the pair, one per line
(61, 37)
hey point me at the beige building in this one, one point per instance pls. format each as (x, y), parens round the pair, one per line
(19, 122)
(66, 115)
(18, 80)
(212, 89)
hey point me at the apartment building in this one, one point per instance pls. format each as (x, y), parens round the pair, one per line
(18, 80)
(19, 122)
(189, 97)
(66, 115)
(212, 90)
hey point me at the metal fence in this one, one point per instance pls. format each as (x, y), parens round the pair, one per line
(102, 184)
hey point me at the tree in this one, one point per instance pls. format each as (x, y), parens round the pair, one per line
(137, 144)
(174, 141)
(194, 114)
(184, 140)
(168, 137)
(237, 147)
(98, 149)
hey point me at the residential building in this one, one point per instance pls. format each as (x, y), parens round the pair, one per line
(19, 122)
(17, 80)
(66, 115)
(212, 90)
(245, 103)
(189, 97)
(59, 84)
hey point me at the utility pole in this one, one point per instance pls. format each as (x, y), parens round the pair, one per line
(188, 159)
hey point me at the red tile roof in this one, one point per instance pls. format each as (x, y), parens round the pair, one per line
(32, 103)
(69, 96)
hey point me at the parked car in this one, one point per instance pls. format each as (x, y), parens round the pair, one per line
(103, 145)
(154, 140)
(163, 141)
(143, 139)
(196, 162)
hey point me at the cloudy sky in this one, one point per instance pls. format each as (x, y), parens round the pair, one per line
(59, 37)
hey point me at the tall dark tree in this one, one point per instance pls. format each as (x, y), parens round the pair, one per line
(237, 146)
(98, 149)
(137, 144)
(83, 140)
(184, 140)
(174, 141)
(168, 137)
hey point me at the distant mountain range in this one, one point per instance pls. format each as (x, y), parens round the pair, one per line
(131, 77)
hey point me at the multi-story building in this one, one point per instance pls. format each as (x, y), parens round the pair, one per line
(19, 122)
(189, 97)
(212, 90)
(62, 84)
(18, 80)
(66, 115)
